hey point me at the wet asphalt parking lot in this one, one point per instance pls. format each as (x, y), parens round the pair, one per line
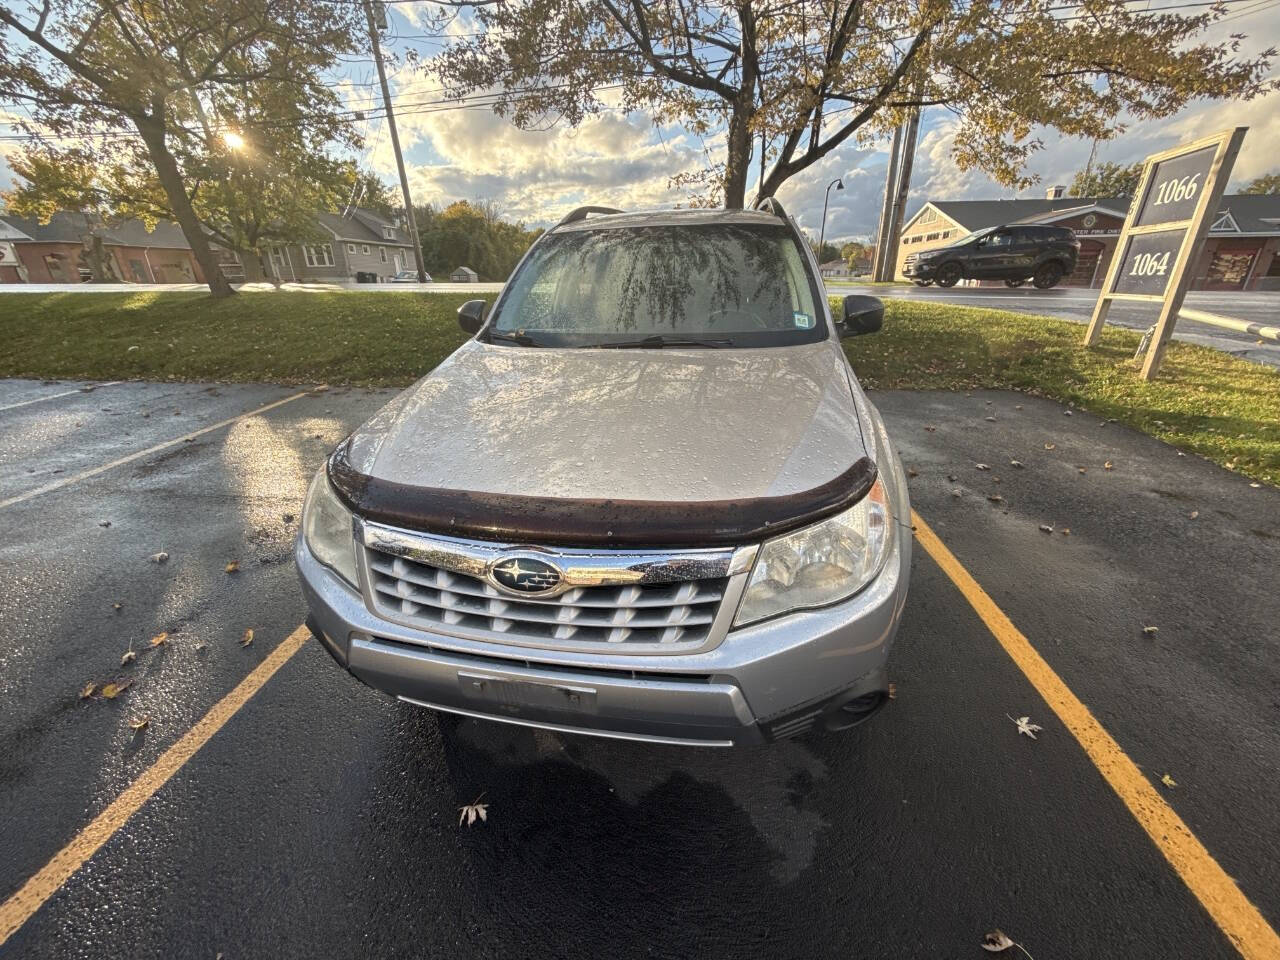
(320, 819)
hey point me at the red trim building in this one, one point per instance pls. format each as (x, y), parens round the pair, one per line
(55, 252)
(1242, 251)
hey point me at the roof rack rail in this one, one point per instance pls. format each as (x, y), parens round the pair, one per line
(770, 205)
(580, 213)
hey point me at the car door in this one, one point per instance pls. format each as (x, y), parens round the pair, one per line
(991, 254)
(1028, 243)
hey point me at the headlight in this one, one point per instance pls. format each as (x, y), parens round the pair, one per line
(326, 524)
(821, 564)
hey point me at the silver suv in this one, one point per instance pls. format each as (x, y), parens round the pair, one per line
(648, 499)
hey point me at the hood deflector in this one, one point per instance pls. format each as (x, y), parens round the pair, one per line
(554, 521)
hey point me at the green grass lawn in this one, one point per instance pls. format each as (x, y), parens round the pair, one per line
(1204, 401)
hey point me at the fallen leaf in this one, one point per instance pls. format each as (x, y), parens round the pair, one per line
(1107, 466)
(113, 690)
(1026, 726)
(160, 639)
(989, 419)
(473, 810)
(1150, 631)
(87, 692)
(129, 656)
(912, 473)
(997, 941)
(247, 638)
(1065, 531)
(1017, 406)
(117, 606)
(982, 466)
(201, 645)
(232, 567)
(893, 690)
(104, 523)
(1080, 470)
(995, 498)
(951, 478)
(1066, 413)
(140, 724)
(1194, 514)
(160, 557)
(1016, 463)
(1255, 485)
(1050, 446)
(1046, 528)
(931, 429)
(1168, 781)
(955, 493)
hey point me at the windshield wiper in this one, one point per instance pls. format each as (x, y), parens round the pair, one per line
(518, 337)
(657, 341)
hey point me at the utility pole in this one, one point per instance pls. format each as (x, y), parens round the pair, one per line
(882, 234)
(410, 220)
(900, 200)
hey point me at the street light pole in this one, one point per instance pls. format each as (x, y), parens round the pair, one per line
(410, 220)
(822, 234)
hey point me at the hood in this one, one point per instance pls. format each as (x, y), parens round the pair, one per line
(685, 428)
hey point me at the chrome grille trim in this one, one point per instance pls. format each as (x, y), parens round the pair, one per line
(625, 601)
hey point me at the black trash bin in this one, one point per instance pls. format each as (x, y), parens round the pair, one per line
(366, 276)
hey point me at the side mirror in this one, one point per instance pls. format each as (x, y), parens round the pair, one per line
(861, 315)
(471, 316)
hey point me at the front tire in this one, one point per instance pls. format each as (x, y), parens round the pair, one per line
(948, 275)
(1047, 275)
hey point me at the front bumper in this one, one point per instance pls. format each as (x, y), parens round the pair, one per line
(918, 270)
(769, 679)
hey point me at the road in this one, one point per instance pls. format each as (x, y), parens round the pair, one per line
(320, 819)
(1076, 304)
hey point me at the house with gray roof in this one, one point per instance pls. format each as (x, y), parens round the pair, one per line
(1242, 251)
(55, 252)
(356, 242)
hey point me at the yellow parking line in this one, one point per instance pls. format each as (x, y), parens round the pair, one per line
(85, 475)
(1230, 909)
(18, 909)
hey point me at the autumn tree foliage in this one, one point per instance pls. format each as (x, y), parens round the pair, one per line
(1107, 180)
(788, 81)
(212, 112)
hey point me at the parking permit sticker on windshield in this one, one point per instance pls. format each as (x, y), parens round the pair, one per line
(802, 320)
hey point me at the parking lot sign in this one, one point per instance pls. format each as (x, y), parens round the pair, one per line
(1164, 233)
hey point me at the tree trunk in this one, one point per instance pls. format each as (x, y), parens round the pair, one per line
(152, 133)
(738, 161)
(96, 255)
(254, 271)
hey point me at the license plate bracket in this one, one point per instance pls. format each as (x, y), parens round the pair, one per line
(513, 695)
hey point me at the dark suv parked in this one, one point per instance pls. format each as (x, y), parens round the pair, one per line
(1014, 254)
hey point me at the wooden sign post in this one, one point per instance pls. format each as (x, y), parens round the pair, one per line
(1163, 234)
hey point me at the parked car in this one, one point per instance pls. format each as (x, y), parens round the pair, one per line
(409, 276)
(647, 500)
(1014, 254)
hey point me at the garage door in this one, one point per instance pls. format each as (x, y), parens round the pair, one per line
(1231, 265)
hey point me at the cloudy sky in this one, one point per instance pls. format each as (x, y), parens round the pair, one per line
(623, 160)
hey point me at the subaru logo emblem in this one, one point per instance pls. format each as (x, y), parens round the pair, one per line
(526, 575)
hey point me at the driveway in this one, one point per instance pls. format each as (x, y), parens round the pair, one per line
(271, 806)
(1076, 304)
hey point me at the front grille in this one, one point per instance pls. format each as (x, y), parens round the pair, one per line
(670, 615)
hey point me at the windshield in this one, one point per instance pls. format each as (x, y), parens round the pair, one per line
(715, 284)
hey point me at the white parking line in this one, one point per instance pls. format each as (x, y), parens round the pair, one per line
(85, 475)
(55, 396)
